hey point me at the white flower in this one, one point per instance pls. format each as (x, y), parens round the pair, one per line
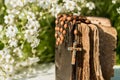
(118, 10)
(33, 25)
(70, 5)
(14, 3)
(18, 51)
(13, 42)
(8, 78)
(81, 1)
(45, 4)
(90, 5)
(21, 15)
(29, 35)
(30, 15)
(7, 58)
(11, 31)
(6, 51)
(31, 1)
(1, 28)
(35, 43)
(13, 11)
(9, 69)
(9, 19)
(114, 1)
(53, 1)
(56, 9)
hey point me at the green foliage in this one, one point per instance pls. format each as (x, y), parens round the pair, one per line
(46, 49)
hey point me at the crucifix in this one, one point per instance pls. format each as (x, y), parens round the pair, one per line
(74, 49)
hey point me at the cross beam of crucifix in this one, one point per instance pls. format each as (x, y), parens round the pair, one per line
(74, 49)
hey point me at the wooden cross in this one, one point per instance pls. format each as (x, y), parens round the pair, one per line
(74, 49)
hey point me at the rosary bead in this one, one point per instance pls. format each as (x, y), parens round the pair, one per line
(57, 43)
(57, 28)
(56, 21)
(87, 21)
(75, 32)
(58, 39)
(69, 18)
(62, 23)
(56, 35)
(61, 37)
(61, 29)
(65, 26)
(64, 32)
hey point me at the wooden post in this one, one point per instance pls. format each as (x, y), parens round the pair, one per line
(82, 51)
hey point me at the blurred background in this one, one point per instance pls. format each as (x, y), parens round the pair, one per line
(46, 50)
(27, 29)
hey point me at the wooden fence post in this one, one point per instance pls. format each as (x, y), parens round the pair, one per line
(84, 48)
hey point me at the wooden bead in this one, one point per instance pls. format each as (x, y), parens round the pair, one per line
(58, 39)
(56, 21)
(57, 43)
(56, 35)
(64, 32)
(69, 18)
(61, 37)
(87, 21)
(61, 29)
(61, 19)
(64, 16)
(59, 15)
(75, 32)
(65, 26)
(57, 28)
(62, 23)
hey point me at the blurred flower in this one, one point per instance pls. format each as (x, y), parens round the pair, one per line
(1, 28)
(90, 5)
(9, 19)
(11, 31)
(114, 1)
(13, 3)
(19, 52)
(7, 57)
(30, 15)
(13, 42)
(35, 42)
(53, 1)
(118, 10)
(13, 11)
(44, 4)
(56, 9)
(70, 5)
(9, 69)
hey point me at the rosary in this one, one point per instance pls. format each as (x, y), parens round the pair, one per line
(62, 26)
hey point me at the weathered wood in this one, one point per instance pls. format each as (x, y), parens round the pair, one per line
(95, 67)
(97, 40)
(107, 42)
(82, 66)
